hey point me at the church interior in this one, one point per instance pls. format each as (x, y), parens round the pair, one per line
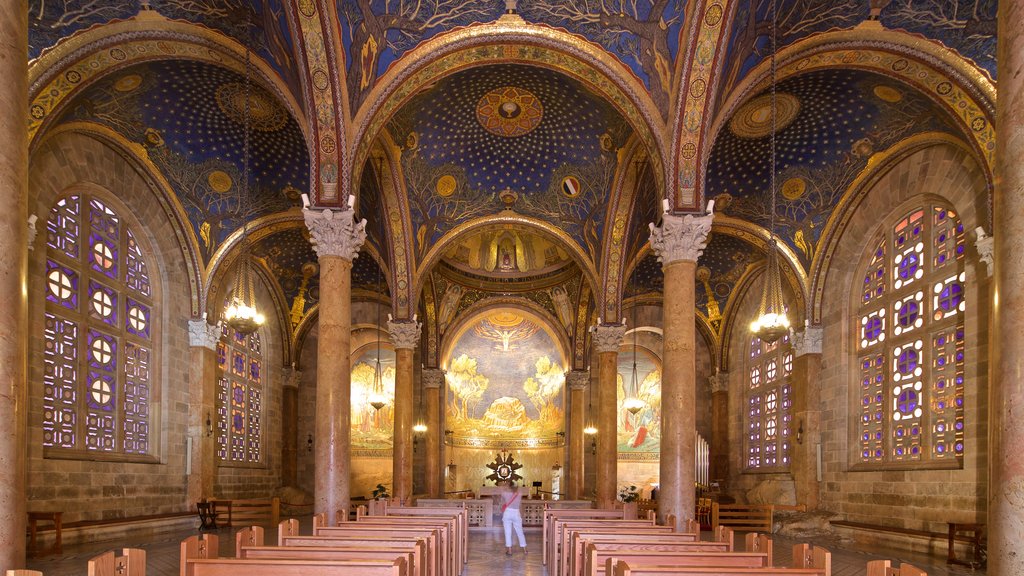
(681, 252)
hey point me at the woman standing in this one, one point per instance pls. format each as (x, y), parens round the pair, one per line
(510, 517)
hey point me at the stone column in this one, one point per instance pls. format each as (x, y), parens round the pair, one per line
(678, 243)
(1006, 386)
(202, 409)
(336, 239)
(607, 339)
(806, 427)
(404, 336)
(577, 381)
(719, 384)
(432, 380)
(290, 428)
(13, 294)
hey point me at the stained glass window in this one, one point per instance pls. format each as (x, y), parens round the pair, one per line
(769, 402)
(239, 397)
(910, 342)
(97, 383)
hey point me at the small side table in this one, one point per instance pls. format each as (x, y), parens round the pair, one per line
(33, 524)
(978, 534)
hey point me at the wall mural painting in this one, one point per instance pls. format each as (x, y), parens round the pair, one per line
(505, 384)
(373, 428)
(639, 432)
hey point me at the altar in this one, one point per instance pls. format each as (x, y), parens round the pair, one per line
(481, 511)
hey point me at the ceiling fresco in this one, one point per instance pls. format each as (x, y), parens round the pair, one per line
(267, 31)
(508, 136)
(506, 253)
(830, 123)
(967, 26)
(190, 118)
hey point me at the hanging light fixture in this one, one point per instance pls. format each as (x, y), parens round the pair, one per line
(632, 403)
(241, 313)
(771, 322)
(420, 426)
(377, 391)
(589, 429)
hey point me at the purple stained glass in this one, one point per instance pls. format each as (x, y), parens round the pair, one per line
(907, 361)
(908, 313)
(907, 401)
(951, 296)
(908, 266)
(238, 395)
(237, 421)
(873, 328)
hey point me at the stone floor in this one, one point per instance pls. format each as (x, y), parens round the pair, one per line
(487, 556)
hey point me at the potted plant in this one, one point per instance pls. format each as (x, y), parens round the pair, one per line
(629, 497)
(381, 492)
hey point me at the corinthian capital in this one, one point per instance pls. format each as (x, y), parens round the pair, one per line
(202, 334)
(404, 334)
(719, 382)
(808, 341)
(578, 379)
(335, 233)
(432, 377)
(608, 337)
(680, 237)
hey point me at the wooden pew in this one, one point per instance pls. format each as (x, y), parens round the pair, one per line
(249, 536)
(450, 543)
(207, 546)
(439, 554)
(598, 555)
(570, 557)
(236, 567)
(666, 540)
(551, 514)
(558, 542)
(807, 561)
(884, 568)
(132, 563)
(290, 527)
(422, 554)
(331, 553)
(460, 513)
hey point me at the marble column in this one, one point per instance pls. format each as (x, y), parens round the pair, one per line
(678, 243)
(404, 336)
(577, 382)
(432, 380)
(719, 466)
(1006, 385)
(336, 239)
(607, 339)
(806, 425)
(290, 427)
(14, 280)
(202, 409)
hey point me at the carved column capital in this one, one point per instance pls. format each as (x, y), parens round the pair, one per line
(404, 333)
(680, 237)
(203, 334)
(608, 337)
(292, 377)
(808, 341)
(577, 379)
(432, 377)
(719, 382)
(986, 249)
(335, 233)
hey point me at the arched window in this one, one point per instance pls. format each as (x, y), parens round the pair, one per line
(769, 404)
(98, 348)
(910, 341)
(239, 397)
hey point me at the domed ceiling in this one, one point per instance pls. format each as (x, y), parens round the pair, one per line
(190, 118)
(506, 253)
(829, 125)
(508, 136)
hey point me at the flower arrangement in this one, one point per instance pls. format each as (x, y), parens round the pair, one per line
(381, 492)
(629, 494)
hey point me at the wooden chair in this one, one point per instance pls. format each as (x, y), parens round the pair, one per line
(132, 563)
(207, 515)
(24, 573)
(884, 568)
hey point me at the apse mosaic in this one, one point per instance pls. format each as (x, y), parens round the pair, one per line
(843, 118)
(508, 136)
(267, 31)
(373, 402)
(967, 26)
(638, 415)
(189, 117)
(505, 383)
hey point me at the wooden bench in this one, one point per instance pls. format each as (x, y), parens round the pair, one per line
(884, 568)
(742, 517)
(557, 541)
(195, 547)
(33, 528)
(551, 514)
(439, 552)
(23, 573)
(262, 512)
(235, 567)
(597, 558)
(422, 554)
(573, 555)
(459, 513)
(331, 553)
(628, 542)
(450, 543)
(564, 548)
(807, 561)
(132, 562)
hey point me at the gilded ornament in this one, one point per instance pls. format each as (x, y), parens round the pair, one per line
(888, 93)
(219, 181)
(754, 119)
(127, 83)
(713, 15)
(793, 188)
(445, 186)
(697, 87)
(509, 112)
(264, 113)
(320, 79)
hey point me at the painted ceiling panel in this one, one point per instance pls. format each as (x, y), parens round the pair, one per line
(967, 26)
(268, 35)
(830, 123)
(528, 130)
(291, 261)
(190, 118)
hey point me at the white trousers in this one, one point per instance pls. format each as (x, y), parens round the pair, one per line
(511, 519)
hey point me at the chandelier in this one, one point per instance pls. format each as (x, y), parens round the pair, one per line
(377, 399)
(241, 313)
(589, 429)
(632, 404)
(771, 322)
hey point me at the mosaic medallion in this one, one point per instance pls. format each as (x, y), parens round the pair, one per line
(754, 119)
(265, 114)
(509, 112)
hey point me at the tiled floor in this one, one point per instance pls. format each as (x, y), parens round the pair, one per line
(486, 557)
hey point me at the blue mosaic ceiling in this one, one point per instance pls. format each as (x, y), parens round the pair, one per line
(967, 26)
(842, 117)
(190, 116)
(481, 131)
(268, 34)
(645, 35)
